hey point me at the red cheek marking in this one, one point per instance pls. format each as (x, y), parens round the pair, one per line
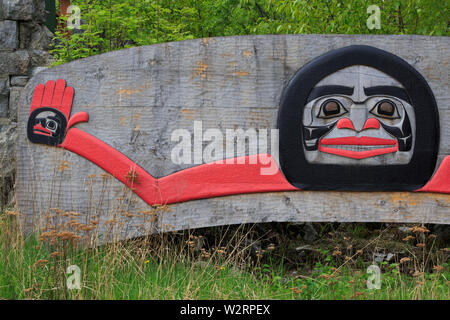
(41, 130)
(345, 123)
(371, 123)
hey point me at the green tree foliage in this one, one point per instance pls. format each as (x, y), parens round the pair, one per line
(116, 24)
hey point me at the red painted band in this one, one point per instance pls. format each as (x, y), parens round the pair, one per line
(113, 162)
(222, 178)
(200, 182)
(38, 127)
(440, 182)
(355, 141)
(358, 141)
(358, 154)
(204, 181)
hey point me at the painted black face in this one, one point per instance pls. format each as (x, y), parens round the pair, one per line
(358, 118)
(366, 120)
(46, 126)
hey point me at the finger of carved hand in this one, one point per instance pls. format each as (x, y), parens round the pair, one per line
(59, 92)
(37, 97)
(77, 118)
(66, 103)
(48, 93)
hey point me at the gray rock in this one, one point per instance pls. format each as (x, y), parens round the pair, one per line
(19, 81)
(310, 234)
(39, 58)
(304, 251)
(389, 257)
(23, 10)
(4, 84)
(8, 137)
(305, 248)
(34, 36)
(442, 233)
(14, 100)
(4, 101)
(36, 70)
(39, 13)
(8, 35)
(254, 246)
(14, 62)
(17, 9)
(379, 257)
(4, 96)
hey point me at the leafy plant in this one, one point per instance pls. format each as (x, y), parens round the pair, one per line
(112, 25)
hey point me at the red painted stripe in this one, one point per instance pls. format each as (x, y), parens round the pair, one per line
(37, 97)
(200, 182)
(358, 141)
(112, 161)
(358, 154)
(41, 128)
(440, 182)
(48, 94)
(77, 118)
(58, 94)
(66, 102)
(221, 179)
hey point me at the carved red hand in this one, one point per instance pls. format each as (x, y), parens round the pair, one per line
(49, 119)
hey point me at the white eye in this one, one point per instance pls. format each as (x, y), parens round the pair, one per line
(331, 108)
(385, 109)
(51, 125)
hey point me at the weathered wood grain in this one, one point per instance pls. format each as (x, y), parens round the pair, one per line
(137, 97)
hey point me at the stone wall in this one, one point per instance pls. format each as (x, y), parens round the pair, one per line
(24, 44)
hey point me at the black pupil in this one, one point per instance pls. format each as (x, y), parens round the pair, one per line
(51, 124)
(386, 108)
(331, 108)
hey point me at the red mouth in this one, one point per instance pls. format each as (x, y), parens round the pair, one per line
(358, 148)
(39, 129)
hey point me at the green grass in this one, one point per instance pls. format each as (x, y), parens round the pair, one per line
(166, 267)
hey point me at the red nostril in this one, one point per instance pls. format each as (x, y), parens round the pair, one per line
(371, 123)
(345, 123)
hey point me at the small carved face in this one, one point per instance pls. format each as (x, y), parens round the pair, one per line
(358, 116)
(47, 126)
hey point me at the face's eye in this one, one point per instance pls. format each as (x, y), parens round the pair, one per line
(385, 109)
(331, 108)
(52, 125)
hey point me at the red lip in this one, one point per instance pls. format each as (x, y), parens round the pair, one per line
(39, 129)
(390, 146)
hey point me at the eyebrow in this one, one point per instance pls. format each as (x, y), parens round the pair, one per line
(327, 90)
(388, 90)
